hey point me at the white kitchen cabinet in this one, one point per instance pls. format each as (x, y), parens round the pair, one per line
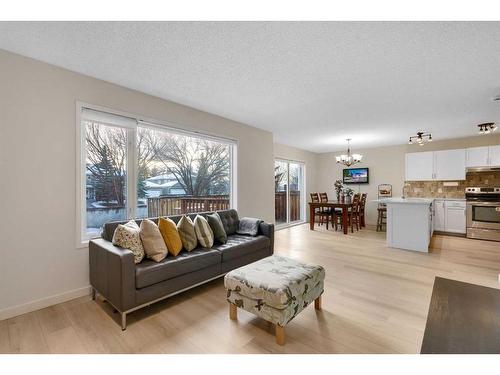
(477, 157)
(439, 215)
(494, 156)
(438, 165)
(454, 216)
(419, 166)
(449, 165)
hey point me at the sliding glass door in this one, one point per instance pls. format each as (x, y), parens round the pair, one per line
(289, 190)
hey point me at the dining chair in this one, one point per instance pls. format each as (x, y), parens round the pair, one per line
(326, 212)
(323, 213)
(315, 199)
(354, 212)
(362, 216)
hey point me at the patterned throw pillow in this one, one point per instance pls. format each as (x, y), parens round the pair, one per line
(128, 236)
(217, 227)
(170, 235)
(203, 232)
(152, 241)
(185, 227)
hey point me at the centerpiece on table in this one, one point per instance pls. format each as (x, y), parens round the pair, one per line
(348, 193)
(338, 188)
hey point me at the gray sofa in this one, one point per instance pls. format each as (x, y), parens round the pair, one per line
(128, 286)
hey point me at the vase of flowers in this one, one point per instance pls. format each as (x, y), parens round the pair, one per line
(348, 192)
(338, 188)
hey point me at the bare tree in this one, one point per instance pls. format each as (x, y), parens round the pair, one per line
(200, 166)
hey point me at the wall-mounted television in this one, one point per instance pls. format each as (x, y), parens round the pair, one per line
(355, 176)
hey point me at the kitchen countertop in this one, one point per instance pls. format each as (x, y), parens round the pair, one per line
(448, 199)
(424, 201)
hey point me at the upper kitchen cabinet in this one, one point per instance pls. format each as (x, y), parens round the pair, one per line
(477, 157)
(449, 165)
(494, 152)
(419, 166)
(438, 165)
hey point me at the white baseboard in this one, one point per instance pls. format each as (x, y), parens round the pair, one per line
(10, 312)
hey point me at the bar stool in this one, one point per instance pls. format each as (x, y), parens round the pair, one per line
(384, 191)
(382, 217)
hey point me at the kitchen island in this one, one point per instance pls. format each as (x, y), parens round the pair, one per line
(409, 223)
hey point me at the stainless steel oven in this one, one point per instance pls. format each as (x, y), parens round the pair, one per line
(483, 212)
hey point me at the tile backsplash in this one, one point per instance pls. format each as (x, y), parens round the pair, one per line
(485, 178)
(442, 189)
(434, 189)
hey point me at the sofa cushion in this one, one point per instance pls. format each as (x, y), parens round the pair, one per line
(239, 245)
(128, 236)
(230, 221)
(152, 241)
(148, 272)
(203, 232)
(170, 235)
(185, 227)
(217, 228)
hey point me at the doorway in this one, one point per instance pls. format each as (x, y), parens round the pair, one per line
(289, 192)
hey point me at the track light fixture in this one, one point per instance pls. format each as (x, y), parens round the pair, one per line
(420, 138)
(487, 127)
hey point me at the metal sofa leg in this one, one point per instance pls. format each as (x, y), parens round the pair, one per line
(94, 292)
(124, 321)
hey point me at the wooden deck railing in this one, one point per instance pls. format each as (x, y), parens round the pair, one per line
(178, 205)
(280, 207)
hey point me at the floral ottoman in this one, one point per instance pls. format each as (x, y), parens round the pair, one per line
(276, 289)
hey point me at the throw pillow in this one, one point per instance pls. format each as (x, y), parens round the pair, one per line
(128, 236)
(185, 227)
(152, 241)
(217, 227)
(170, 235)
(249, 225)
(203, 232)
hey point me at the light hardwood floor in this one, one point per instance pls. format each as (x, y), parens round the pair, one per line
(375, 301)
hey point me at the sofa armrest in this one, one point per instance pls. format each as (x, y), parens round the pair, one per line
(112, 273)
(267, 229)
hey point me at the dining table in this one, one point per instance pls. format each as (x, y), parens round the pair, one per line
(333, 205)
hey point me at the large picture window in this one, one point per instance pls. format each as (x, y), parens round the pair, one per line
(134, 169)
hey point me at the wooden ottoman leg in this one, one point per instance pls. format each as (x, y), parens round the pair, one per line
(280, 334)
(233, 312)
(317, 303)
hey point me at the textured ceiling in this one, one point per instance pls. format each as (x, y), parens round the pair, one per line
(312, 84)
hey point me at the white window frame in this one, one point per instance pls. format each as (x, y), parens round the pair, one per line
(82, 239)
(302, 195)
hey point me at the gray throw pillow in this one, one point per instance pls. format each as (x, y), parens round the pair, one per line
(249, 226)
(216, 224)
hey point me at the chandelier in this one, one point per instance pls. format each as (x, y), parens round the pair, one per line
(349, 159)
(487, 128)
(420, 138)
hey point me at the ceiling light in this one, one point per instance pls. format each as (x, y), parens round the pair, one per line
(349, 159)
(420, 138)
(487, 128)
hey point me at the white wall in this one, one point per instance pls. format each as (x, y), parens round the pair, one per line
(310, 159)
(38, 258)
(387, 166)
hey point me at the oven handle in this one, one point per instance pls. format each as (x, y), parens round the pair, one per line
(484, 204)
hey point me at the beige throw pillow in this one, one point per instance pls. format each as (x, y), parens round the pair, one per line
(187, 233)
(203, 231)
(152, 241)
(128, 236)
